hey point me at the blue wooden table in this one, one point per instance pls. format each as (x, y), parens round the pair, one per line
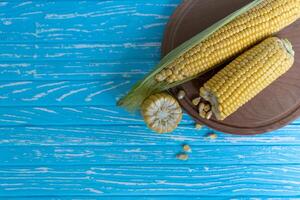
(63, 65)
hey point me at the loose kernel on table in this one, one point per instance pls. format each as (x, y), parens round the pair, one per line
(212, 136)
(201, 107)
(198, 126)
(201, 111)
(182, 156)
(196, 101)
(181, 94)
(207, 107)
(202, 114)
(209, 115)
(186, 148)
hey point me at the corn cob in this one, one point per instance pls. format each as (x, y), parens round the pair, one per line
(247, 76)
(214, 46)
(161, 112)
(265, 19)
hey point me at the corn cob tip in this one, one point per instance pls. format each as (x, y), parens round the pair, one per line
(288, 46)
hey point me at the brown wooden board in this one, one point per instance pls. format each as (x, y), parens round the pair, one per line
(276, 106)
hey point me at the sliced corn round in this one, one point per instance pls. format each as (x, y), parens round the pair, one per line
(161, 113)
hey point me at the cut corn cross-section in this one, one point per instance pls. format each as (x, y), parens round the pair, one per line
(161, 112)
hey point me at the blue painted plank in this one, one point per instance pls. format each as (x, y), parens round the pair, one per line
(131, 135)
(64, 93)
(72, 40)
(94, 197)
(74, 70)
(80, 51)
(138, 155)
(54, 21)
(74, 115)
(160, 197)
(68, 115)
(37, 93)
(49, 21)
(210, 180)
(107, 136)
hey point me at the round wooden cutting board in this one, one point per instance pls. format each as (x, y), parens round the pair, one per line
(276, 106)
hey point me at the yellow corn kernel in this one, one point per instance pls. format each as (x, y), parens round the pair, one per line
(263, 20)
(212, 136)
(196, 101)
(247, 76)
(207, 108)
(181, 94)
(198, 126)
(186, 148)
(182, 156)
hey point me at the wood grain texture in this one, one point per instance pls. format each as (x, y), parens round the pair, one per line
(40, 23)
(68, 115)
(63, 92)
(155, 197)
(75, 115)
(231, 181)
(50, 21)
(74, 70)
(139, 155)
(80, 51)
(131, 135)
(63, 64)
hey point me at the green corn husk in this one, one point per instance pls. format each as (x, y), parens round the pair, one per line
(149, 85)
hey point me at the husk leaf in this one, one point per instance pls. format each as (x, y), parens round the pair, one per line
(149, 85)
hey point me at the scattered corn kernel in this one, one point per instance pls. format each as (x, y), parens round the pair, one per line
(182, 156)
(186, 148)
(198, 126)
(181, 94)
(212, 136)
(202, 114)
(208, 115)
(201, 107)
(207, 107)
(196, 101)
